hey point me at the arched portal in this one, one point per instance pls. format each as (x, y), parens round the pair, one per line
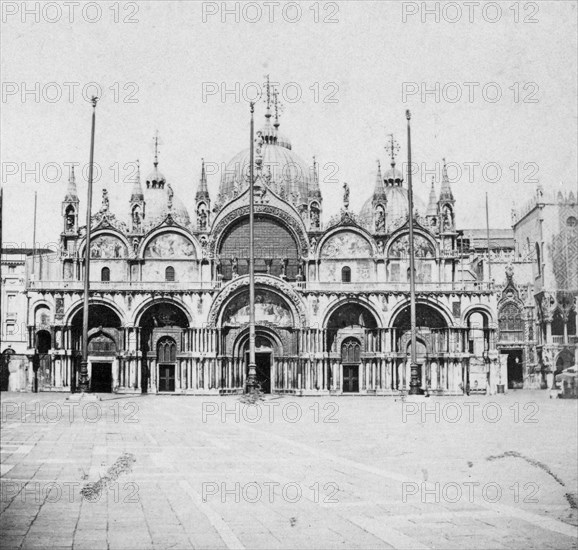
(431, 329)
(564, 360)
(160, 323)
(99, 316)
(351, 318)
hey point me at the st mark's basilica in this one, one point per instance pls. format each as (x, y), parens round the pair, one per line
(169, 289)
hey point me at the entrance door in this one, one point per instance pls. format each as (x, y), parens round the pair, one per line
(263, 362)
(350, 359)
(515, 369)
(351, 378)
(101, 379)
(166, 378)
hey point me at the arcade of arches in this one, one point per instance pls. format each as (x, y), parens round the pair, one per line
(165, 352)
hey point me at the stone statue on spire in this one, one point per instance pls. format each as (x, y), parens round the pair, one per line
(105, 201)
(346, 195)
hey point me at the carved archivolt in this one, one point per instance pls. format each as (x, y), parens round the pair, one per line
(271, 282)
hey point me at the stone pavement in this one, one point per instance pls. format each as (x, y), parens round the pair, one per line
(331, 472)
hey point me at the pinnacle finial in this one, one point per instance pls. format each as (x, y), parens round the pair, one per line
(156, 141)
(71, 191)
(268, 96)
(392, 148)
(446, 189)
(278, 106)
(315, 173)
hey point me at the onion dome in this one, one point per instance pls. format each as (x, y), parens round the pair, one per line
(155, 179)
(393, 176)
(396, 206)
(161, 201)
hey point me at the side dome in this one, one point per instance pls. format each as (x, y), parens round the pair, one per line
(161, 201)
(396, 210)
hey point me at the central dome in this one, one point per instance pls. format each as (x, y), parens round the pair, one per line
(290, 174)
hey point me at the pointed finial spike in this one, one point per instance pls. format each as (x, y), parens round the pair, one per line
(268, 98)
(156, 140)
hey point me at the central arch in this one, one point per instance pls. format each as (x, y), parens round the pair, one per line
(268, 347)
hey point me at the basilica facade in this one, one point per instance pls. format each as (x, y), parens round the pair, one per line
(169, 288)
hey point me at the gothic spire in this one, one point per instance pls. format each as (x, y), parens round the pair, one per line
(432, 209)
(71, 192)
(137, 192)
(203, 189)
(446, 190)
(379, 189)
(314, 189)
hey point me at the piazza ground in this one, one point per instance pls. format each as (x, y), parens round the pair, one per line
(332, 472)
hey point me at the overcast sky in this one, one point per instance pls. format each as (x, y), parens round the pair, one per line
(351, 63)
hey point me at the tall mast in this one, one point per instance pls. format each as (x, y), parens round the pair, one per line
(83, 378)
(488, 241)
(34, 234)
(252, 374)
(414, 380)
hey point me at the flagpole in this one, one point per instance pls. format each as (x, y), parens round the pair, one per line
(414, 383)
(83, 377)
(488, 241)
(252, 374)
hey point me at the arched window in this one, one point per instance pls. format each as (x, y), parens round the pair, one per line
(105, 275)
(558, 323)
(170, 274)
(350, 351)
(166, 350)
(346, 275)
(538, 260)
(478, 335)
(511, 323)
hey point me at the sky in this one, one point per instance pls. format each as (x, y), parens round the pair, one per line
(504, 115)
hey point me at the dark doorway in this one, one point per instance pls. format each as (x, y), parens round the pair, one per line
(350, 359)
(166, 378)
(158, 315)
(101, 380)
(43, 361)
(515, 369)
(263, 362)
(4, 369)
(350, 378)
